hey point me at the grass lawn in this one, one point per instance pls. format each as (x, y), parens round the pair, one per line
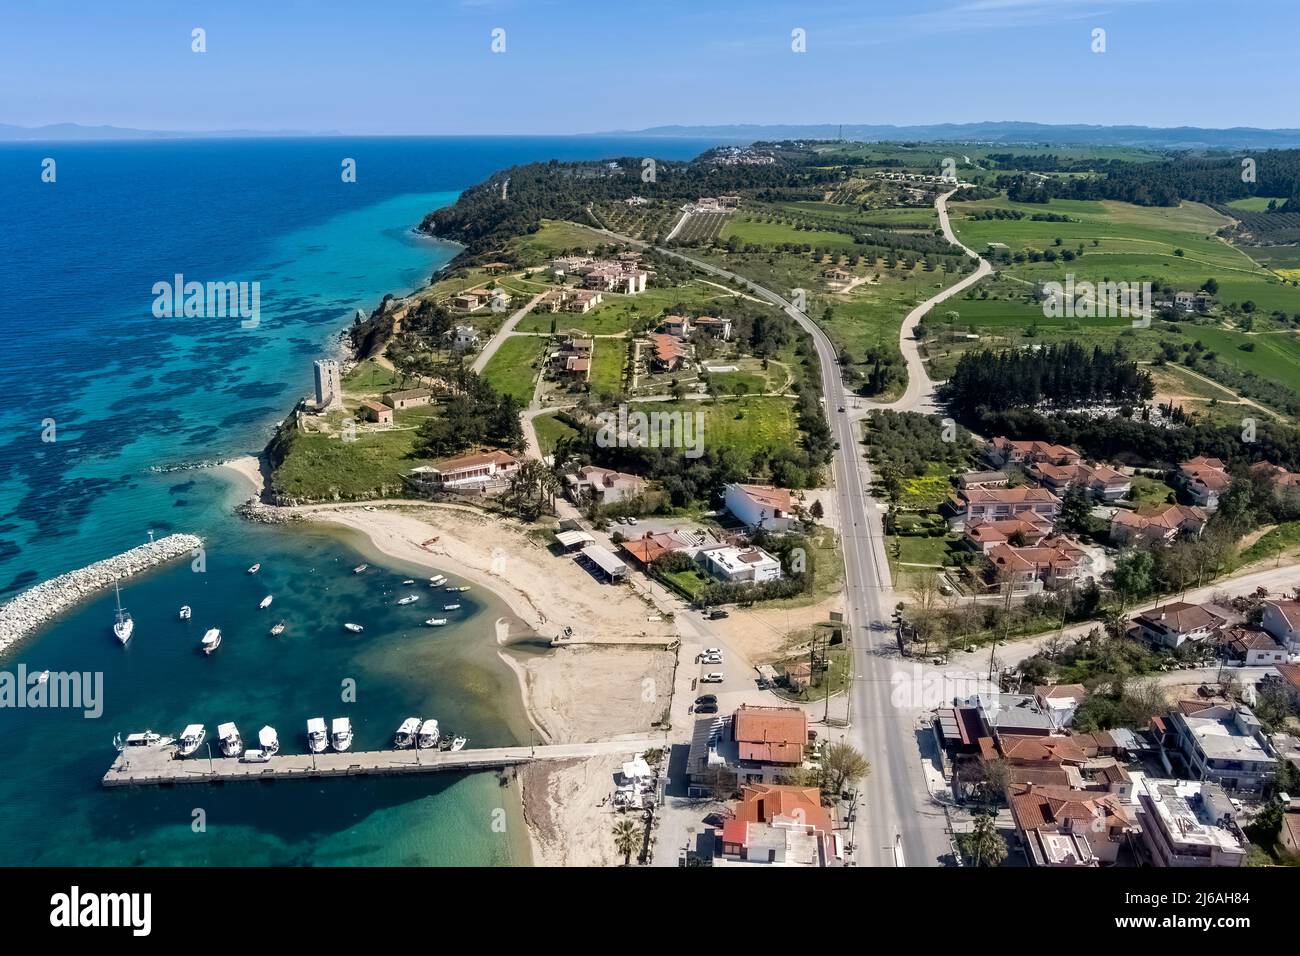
(550, 430)
(319, 467)
(556, 237)
(747, 424)
(608, 359)
(748, 230)
(919, 549)
(619, 312)
(370, 378)
(692, 581)
(926, 492)
(513, 368)
(833, 680)
(1149, 491)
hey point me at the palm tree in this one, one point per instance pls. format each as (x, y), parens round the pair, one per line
(626, 839)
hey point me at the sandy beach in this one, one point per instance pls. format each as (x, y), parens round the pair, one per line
(250, 470)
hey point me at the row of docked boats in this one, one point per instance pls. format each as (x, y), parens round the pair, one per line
(425, 735)
(414, 732)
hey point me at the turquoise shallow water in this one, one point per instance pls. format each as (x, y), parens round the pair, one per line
(129, 393)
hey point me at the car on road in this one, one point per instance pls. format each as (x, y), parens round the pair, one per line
(706, 699)
(711, 659)
(717, 615)
(706, 708)
(712, 677)
(712, 650)
(631, 520)
(841, 409)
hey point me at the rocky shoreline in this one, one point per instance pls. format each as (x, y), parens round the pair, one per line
(33, 608)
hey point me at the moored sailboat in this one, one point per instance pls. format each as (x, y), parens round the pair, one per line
(123, 625)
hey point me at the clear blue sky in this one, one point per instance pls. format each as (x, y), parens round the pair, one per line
(570, 66)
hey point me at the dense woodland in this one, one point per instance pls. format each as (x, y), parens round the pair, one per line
(1062, 375)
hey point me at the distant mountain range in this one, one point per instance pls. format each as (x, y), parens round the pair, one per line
(1149, 137)
(1008, 133)
(68, 132)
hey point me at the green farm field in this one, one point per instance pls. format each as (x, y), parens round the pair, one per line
(747, 425)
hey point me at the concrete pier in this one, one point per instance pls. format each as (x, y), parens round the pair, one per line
(154, 766)
(29, 610)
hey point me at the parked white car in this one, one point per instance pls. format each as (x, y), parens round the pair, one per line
(712, 677)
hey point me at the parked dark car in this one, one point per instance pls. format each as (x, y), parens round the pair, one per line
(706, 708)
(706, 699)
(717, 615)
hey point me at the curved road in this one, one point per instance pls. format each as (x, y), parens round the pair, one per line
(899, 823)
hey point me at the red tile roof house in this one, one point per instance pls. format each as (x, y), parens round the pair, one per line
(1061, 826)
(784, 825)
(1278, 475)
(602, 485)
(1053, 564)
(652, 546)
(983, 504)
(1254, 646)
(1172, 625)
(1099, 481)
(770, 741)
(1157, 525)
(984, 534)
(468, 471)
(761, 506)
(1282, 620)
(667, 352)
(1204, 479)
(1003, 451)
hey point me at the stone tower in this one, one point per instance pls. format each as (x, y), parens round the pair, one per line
(329, 387)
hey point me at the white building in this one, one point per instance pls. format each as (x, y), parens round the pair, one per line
(761, 506)
(741, 565)
(1282, 620)
(329, 384)
(466, 339)
(1187, 823)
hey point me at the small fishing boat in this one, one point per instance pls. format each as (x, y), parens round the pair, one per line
(278, 629)
(409, 599)
(437, 580)
(192, 738)
(436, 621)
(317, 739)
(341, 734)
(185, 612)
(146, 739)
(408, 582)
(354, 628)
(463, 587)
(231, 744)
(458, 743)
(254, 569)
(451, 607)
(269, 740)
(211, 640)
(428, 734)
(266, 602)
(406, 734)
(123, 626)
(360, 568)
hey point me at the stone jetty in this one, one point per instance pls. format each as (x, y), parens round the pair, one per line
(31, 609)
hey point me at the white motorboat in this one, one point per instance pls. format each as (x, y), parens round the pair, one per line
(254, 569)
(122, 625)
(269, 741)
(278, 629)
(191, 739)
(266, 601)
(360, 568)
(437, 580)
(43, 677)
(210, 641)
(406, 734)
(408, 582)
(458, 743)
(463, 587)
(341, 734)
(409, 599)
(451, 607)
(231, 743)
(354, 628)
(436, 621)
(185, 612)
(317, 739)
(429, 735)
(146, 739)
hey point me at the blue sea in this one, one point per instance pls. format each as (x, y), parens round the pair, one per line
(129, 399)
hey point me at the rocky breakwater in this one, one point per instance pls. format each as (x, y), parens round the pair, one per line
(32, 608)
